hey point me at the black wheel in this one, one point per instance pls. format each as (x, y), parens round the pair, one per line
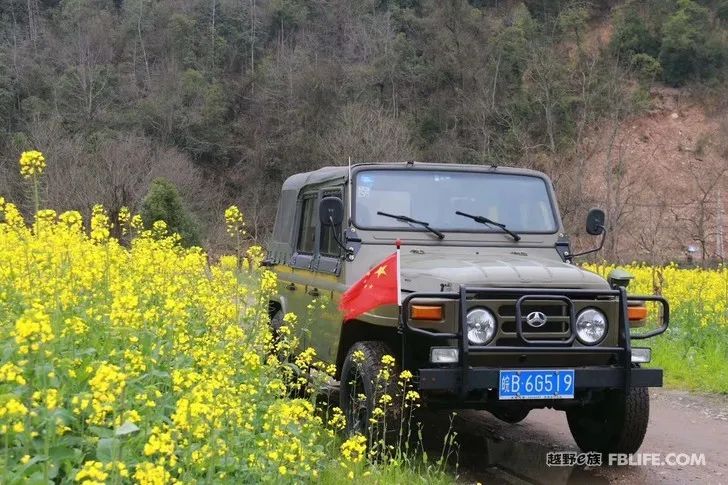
(511, 415)
(362, 387)
(276, 321)
(617, 423)
(289, 371)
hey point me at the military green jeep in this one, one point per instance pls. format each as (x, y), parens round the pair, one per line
(494, 313)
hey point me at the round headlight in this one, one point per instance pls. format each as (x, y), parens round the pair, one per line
(591, 326)
(481, 326)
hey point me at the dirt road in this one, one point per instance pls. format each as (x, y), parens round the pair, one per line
(495, 452)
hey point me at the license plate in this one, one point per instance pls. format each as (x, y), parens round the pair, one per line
(536, 384)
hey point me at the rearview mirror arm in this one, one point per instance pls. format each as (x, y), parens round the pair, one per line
(348, 251)
(589, 251)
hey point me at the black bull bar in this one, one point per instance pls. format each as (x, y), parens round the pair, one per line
(463, 378)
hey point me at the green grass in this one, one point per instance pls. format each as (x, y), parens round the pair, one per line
(408, 473)
(700, 368)
(693, 357)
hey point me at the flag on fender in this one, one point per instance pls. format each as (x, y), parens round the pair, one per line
(379, 286)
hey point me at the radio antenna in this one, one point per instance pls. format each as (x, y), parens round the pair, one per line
(351, 195)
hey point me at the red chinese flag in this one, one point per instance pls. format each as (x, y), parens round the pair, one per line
(380, 286)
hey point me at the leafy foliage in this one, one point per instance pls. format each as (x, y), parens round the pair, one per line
(687, 48)
(679, 35)
(632, 36)
(163, 203)
(722, 10)
(646, 67)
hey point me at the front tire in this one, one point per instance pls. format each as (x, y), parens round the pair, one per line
(290, 373)
(276, 321)
(362, 378)
(617, 423)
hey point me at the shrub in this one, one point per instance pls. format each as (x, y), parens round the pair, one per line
(631, 37)
(163, 203)
(721, 10)
(687, 50)
(645, 67)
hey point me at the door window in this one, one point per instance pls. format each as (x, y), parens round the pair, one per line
(328, 245)
(307, 229)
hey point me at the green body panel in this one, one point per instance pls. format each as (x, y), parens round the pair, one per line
(319, 317)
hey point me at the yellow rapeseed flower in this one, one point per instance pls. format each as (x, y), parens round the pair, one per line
(100, 229)
(150, 474)
(234, 221)
(354, 449)
(10, 372)
(32, 329)
(154, 345)
(32, 163)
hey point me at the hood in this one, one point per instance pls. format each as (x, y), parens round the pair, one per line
(429, 272)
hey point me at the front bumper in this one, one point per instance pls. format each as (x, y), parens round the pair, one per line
(463, 378)
(480, 378)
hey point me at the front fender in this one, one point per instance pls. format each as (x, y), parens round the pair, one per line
(278, 302)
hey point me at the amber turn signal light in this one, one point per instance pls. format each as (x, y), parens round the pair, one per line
(426, 312)
(636, 313)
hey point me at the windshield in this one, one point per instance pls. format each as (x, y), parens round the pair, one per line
(521, 202)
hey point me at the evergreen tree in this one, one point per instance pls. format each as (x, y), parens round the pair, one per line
(687, 50)
(631, 37)
(163, 203)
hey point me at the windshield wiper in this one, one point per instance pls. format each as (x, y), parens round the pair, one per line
(485, 220)
(424, 224)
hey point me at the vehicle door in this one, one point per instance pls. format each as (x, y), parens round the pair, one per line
(326, 289)
(294, 283)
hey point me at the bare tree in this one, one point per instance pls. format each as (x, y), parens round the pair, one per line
(142, 45)
(365, 133)
(544, 73)
(87, 60)
(116, 174)
(699, 216)
(33, 19)
(652, 237)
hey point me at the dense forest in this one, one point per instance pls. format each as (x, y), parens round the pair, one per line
(225, 98)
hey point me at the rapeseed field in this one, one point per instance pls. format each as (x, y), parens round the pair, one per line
(146, 363)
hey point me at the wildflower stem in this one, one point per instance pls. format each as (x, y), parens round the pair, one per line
(7, 455)
(36, 196)
(46, 449)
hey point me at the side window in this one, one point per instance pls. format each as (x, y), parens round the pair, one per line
(328, 243)
(307, 228)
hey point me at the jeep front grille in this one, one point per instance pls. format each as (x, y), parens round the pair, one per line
(556, 328)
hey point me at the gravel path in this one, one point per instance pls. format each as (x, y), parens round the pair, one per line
(495, 452)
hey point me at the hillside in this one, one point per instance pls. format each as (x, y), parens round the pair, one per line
(226, 98)
(666, 171)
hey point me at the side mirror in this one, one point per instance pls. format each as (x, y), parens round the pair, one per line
(595, 221)
(331, 211)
